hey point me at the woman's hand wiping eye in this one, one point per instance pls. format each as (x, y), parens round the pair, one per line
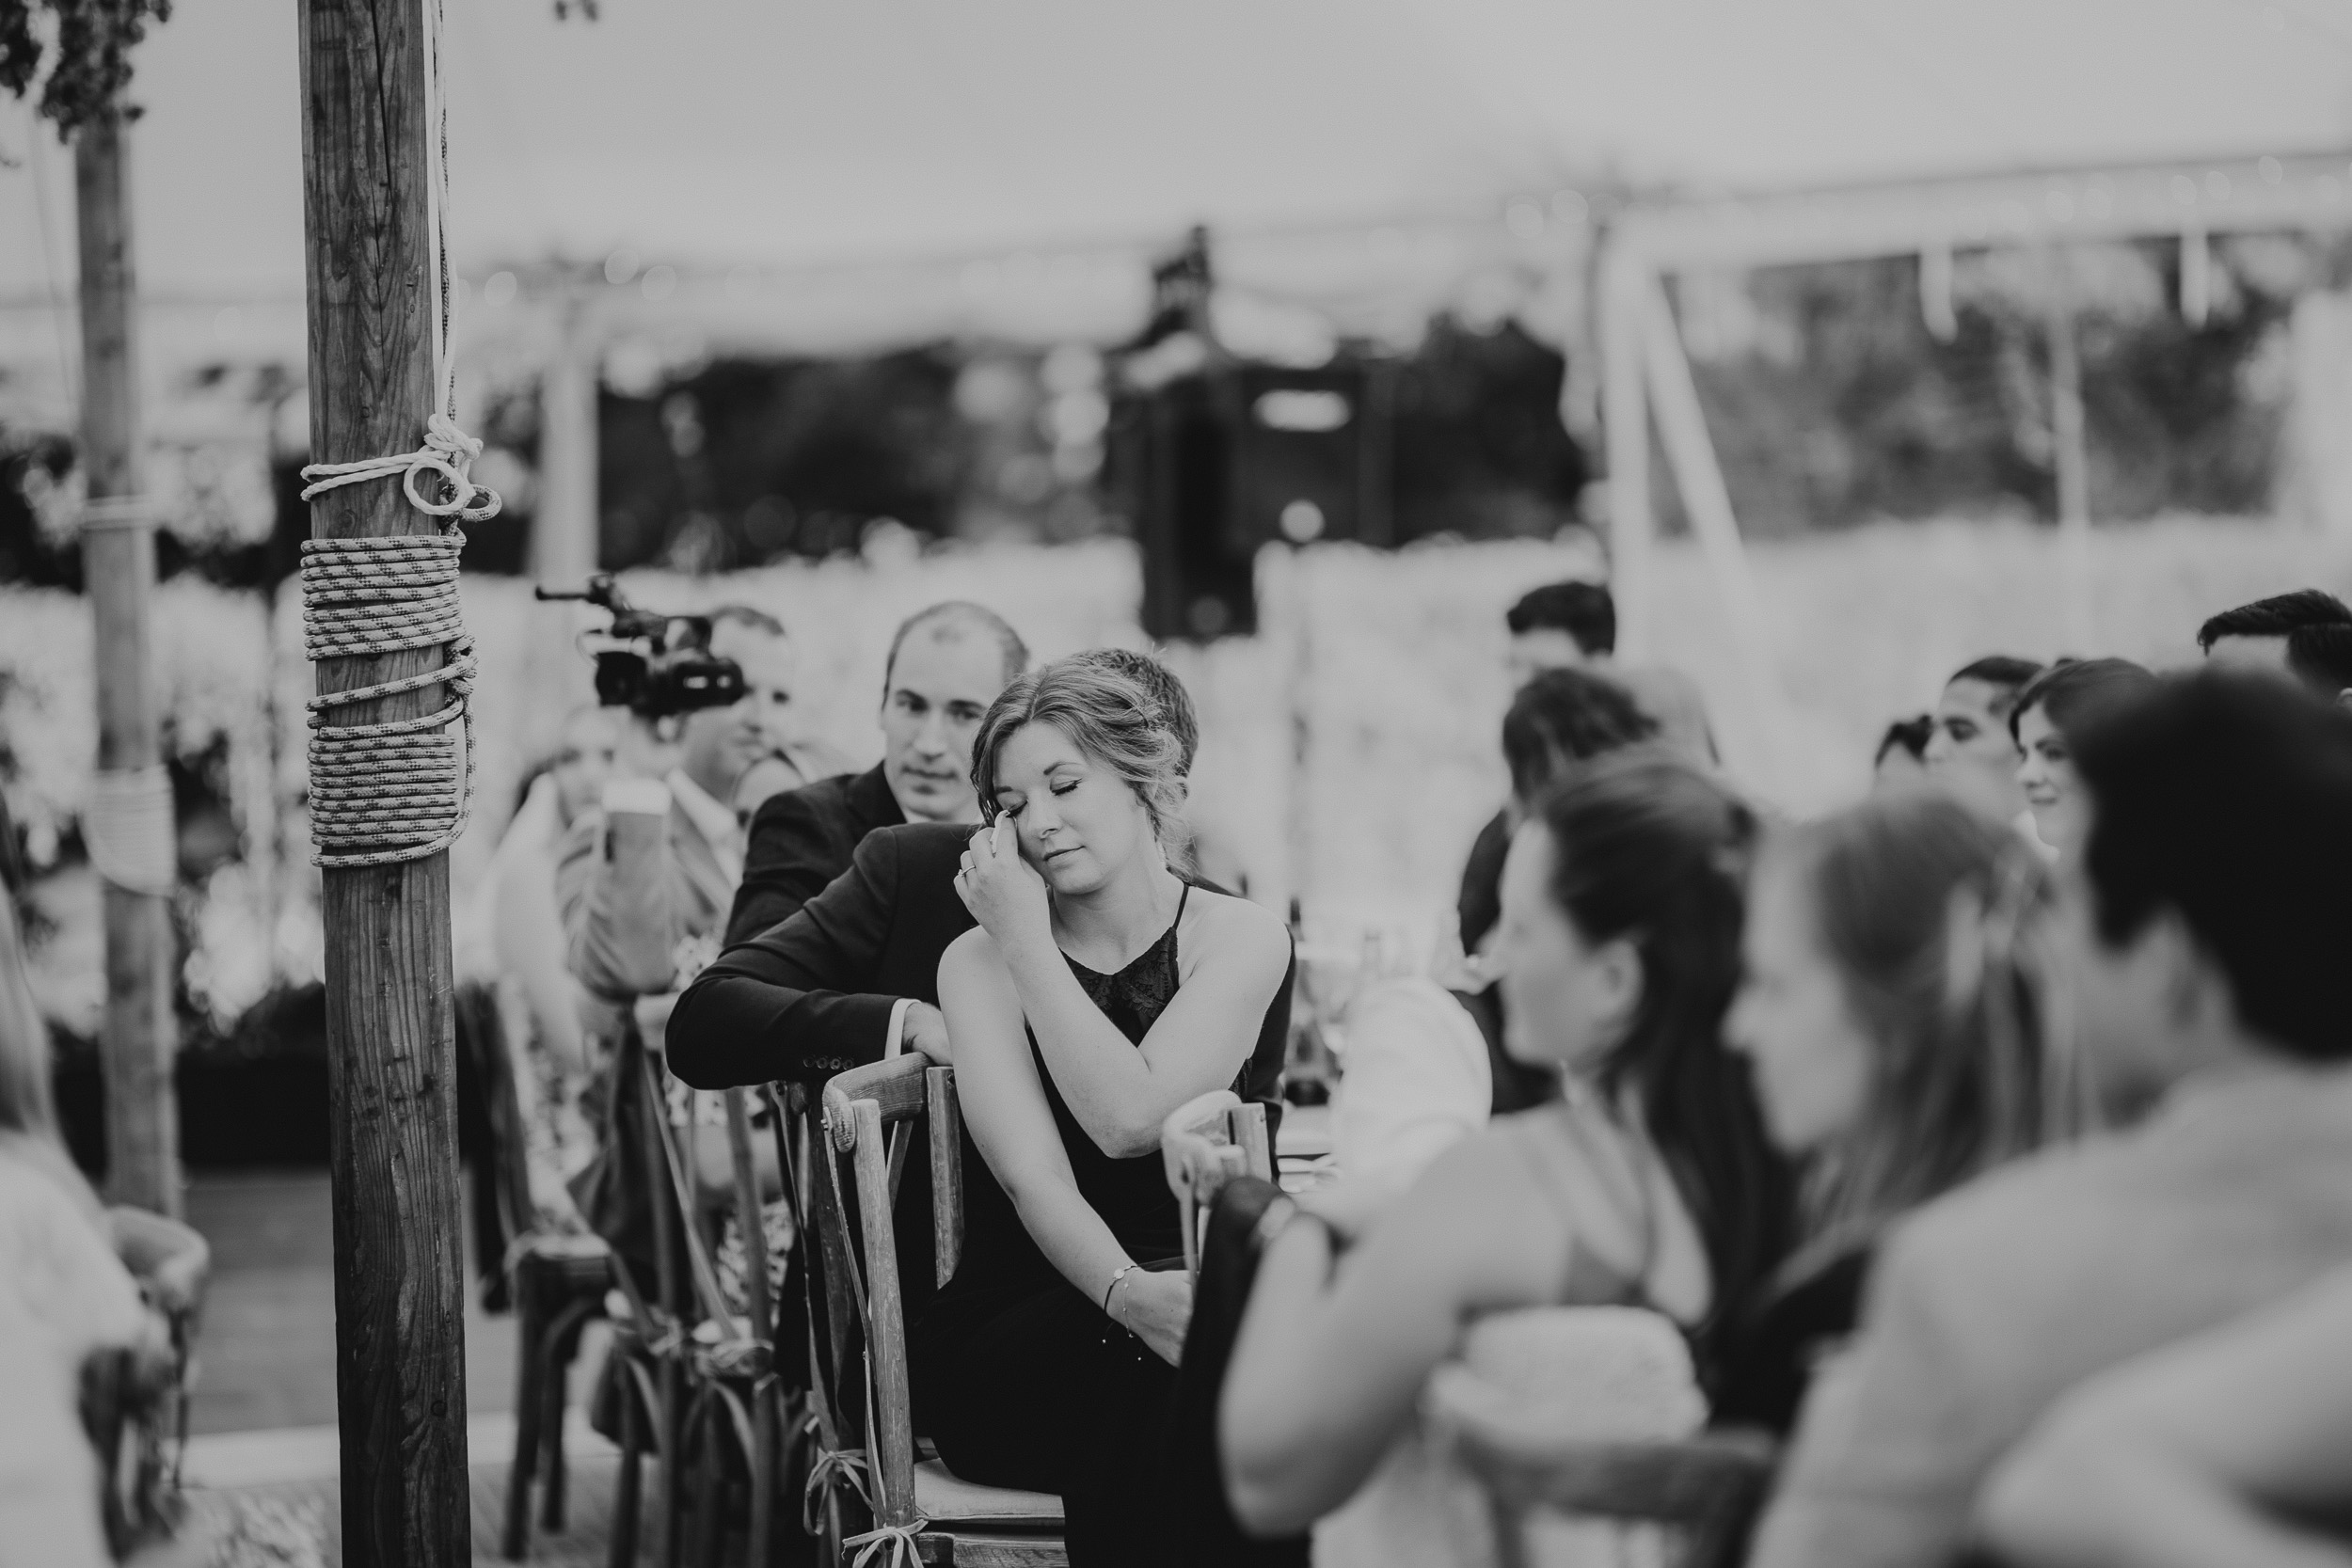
(1004, 892)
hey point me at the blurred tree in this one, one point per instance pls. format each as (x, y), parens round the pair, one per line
(89, 64)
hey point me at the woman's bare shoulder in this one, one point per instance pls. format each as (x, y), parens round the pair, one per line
(1223, 918)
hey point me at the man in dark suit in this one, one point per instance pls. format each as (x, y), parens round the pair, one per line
(947, 664)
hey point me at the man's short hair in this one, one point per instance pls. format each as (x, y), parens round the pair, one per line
(2005, 674)
(2226, 796)
(1910, 736)
(1567, 716)
(960, 615)
(1582, 609)
(2280, 615)
(744, 615)
(1168, 695)
(2320, 658)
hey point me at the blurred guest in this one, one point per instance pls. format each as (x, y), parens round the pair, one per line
(1902, 754)
(2257, 634)
(2201, 924)
(1651, 1183)
(1892, 1010)
(1569, 626)
(2321, 659)
(1560, 718)
(946, 665)
(2307, 634)
(519, 929)
(644, 882)
(1098, 996)
(64, 1296)
(1973, 749)
(2232, 1446)
(2051, 708)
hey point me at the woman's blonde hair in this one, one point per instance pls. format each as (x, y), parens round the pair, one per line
(1109, 716)
(1934, 917)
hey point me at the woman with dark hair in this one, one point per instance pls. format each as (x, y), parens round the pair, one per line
(1101, 991)
(1649, 1183)
(1892, 1009)
(2048, 710)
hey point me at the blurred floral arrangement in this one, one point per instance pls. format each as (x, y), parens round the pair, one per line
(1349, 751)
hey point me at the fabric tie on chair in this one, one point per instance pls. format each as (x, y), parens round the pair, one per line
(900, 1539)
(847, 1463)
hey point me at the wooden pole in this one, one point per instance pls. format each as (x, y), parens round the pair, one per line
(138, 1040)
(400, 1376)
(2068, 456)
(1682, 426)
(1625, 421)
(564, 534)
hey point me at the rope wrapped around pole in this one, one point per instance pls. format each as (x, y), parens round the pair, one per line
(381, 794)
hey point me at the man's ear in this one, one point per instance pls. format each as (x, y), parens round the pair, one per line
(2344, 696)
(2197, 995)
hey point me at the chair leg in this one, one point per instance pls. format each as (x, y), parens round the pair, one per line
(668, 1515)
(711, 1456)
(528, 1374)
(624, 1489)
(555, 1391)
(763, 1468)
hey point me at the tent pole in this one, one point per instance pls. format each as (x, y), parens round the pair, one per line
(1625, 420)
(1682, 425)
(564, 534)
(2069, 450)
(400, 1372)
(138, 1040)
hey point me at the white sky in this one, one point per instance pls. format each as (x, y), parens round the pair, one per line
(772, 131)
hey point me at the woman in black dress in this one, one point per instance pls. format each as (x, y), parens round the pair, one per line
(1101, 991)
(1892, 1010)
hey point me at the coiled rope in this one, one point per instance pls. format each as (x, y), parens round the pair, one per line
(385, 793)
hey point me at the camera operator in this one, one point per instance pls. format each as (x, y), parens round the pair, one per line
(647, 880)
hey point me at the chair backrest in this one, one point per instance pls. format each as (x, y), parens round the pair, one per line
(869, 1112)
(1707, 1489)
(1204, 1143)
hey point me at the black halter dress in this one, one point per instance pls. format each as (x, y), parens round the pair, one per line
(1019, 1379)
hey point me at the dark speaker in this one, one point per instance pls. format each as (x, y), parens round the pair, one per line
(1219, 463)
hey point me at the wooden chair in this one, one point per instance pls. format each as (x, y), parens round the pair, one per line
(1205, 1143)
(873, 1116)
(1703, 1490)
(700, 1388)
(557, 1283)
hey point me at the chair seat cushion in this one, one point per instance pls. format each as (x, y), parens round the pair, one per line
(946, 1500)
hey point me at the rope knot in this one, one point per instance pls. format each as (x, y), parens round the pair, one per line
(847, 1465)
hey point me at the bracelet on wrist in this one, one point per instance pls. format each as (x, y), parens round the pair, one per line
(1118, 1277)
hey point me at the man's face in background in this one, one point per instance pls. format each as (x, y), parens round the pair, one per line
(720, 743)
(938, 691)
(1971, 750)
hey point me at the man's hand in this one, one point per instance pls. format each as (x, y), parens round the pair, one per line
(926, 1030)
(641, 751)
(1004, 892)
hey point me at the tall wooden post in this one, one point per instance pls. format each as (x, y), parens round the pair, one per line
(564, 534)
(399, 1326)
(118, 569)
(2069, 453)
(1625, 423)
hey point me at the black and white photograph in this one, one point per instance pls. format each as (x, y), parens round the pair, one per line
(1096, 783)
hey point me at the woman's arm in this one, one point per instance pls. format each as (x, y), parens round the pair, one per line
(2197, 1454)
(1005, 1106)
(1329, 1367)
(1234, 957)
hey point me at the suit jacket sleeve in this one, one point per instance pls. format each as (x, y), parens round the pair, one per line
(794, 1001)
(792, 856)
(1897, 1433)
(618, 897)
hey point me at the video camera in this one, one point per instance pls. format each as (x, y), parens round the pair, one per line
(654, 665)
